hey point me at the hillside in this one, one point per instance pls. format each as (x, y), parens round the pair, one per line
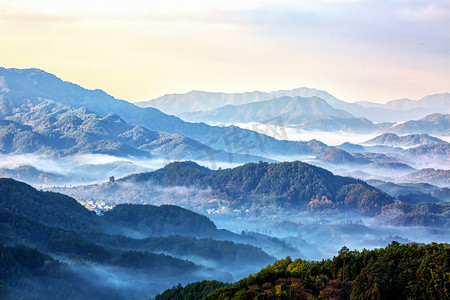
(391, 139)
(438, 102)
(437, 123)
(395, 272)
(289, 184)
(291, 110)
(31, 86)
(339, 156)
(19, 138)
(203, 101)
(133, 243)
(438, 177)
(56, 129)
(393, 111)
(32, 175)
(430, 151)
(55, 209)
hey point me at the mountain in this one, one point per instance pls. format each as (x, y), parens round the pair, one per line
(392, 139)
(400, 189)
(349, 147)
(393, 111)
(202, 101)
(431, 124)
(437, 177)
(293, 185)
(139, 221)
(337, 156)
(430, 151)
(340, 156)
(56, 129)
(31, 87)
(52, 209)
(16, 138)
(43, 225)
(27, 87)
(430, 103)
(291, 110)
(31, 174)
(393, 272)
(399, 110)
(19, 138)
(306, 113)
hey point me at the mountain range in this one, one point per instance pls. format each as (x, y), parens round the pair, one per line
(56, 129)
(307, 113)
(313, 114)
(44, 225)
(391, 139)
(30, 87)
(43, 115)
(134, 228)
(285, 186)
(201, 101)
(392, 111)
(23, 89)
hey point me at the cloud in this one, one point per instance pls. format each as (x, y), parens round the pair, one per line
(386, 49)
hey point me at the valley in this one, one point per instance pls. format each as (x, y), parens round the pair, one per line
(95, 187)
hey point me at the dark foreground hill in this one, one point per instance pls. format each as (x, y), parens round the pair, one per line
(51, 247)
(408, 271)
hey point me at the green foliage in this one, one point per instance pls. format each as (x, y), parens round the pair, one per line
(290, 184)
(398, 271)
(151, 262)
(49, 208)
(57, 225)
(192, 291)
(224, 252)
(160, 220)
(59, 210)
(50, 239)
(422, 214)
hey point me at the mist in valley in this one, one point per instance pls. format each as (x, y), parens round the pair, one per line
(95, 180)
(315, 235)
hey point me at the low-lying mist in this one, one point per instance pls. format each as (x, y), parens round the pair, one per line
(314, 235)
(43, 171)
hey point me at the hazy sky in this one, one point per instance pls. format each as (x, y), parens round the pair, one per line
(138, 49)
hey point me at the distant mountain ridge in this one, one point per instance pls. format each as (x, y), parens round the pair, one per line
(56, 129)
(311, 113)
(32, 86)
(436, 123)
(392, 139)
(393, 111)
(23, 89)
(291, 110)
(201, 101)
(436, 101)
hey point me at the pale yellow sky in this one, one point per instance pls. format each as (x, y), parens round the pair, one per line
(138, 50)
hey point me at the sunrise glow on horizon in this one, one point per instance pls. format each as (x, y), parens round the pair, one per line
(138, 50)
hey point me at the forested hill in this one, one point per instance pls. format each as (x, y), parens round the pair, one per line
(289, 184)
(408, 271)
(54, 209)
(51, 247)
